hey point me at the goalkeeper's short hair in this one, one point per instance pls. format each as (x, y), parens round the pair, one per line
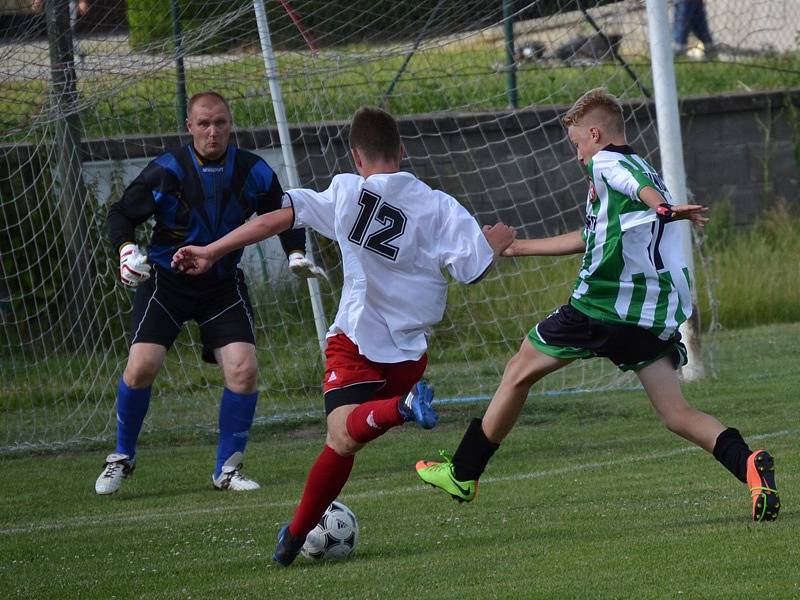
(208, 94)
(375, 134)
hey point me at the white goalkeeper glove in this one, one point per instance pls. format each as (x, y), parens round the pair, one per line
(300, 265)
(133, 267)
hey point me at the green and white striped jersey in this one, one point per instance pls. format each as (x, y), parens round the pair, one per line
(634, 270)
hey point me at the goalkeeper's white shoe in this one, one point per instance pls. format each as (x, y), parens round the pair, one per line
(117, 468)
(231, 477)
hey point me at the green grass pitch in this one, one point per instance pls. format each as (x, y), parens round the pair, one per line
(590, 497)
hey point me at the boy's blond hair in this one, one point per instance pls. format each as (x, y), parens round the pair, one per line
(597, 99)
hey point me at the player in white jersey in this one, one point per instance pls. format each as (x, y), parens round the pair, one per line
(631, 295)
(396, 236)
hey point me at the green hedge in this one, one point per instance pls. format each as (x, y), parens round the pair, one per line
(150, 23)
(330, 23)
(35, 262)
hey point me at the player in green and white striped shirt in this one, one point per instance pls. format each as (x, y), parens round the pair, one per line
(633, 269)
(632, 293)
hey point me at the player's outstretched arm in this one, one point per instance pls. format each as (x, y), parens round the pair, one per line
(195, 259)
(691, 212)
(696, 213)
(500, 236)
(558, 245)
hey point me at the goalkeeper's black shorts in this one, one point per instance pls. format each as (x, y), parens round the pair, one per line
(167, 300)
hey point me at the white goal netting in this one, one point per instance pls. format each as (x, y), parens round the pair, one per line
(93, 90)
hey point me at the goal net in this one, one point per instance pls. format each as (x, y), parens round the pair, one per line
(94, 90)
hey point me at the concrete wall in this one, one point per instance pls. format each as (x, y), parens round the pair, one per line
(744, 148)
(518, 166)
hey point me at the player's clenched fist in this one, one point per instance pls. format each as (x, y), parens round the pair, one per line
(133, 267)
(500, 236)
(192, 260)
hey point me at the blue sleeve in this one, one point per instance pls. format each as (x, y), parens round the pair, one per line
(263, 188)
(267, 195)
(138, 202)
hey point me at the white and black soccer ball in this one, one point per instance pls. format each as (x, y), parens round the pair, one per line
(335, 536)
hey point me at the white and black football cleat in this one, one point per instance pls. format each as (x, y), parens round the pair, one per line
(231, 477)
(117, 468)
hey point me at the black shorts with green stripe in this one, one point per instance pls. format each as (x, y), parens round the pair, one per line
(568, 333)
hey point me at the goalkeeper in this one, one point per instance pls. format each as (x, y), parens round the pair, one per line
(196, 194)
(632, 293)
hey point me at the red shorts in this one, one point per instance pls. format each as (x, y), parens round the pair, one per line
(346, 368)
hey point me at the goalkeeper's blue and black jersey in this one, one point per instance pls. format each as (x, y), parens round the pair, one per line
(196, 202)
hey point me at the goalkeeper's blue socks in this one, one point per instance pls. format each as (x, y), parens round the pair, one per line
(132, 407)
(235, 418)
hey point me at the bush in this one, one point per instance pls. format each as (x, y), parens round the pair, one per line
(37, 301)
(150, 23)
(330, 23)
(751, 269)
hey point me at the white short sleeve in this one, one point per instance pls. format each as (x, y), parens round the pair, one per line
(626, 177)
(463, 249)
(621, 180)
(314, 209)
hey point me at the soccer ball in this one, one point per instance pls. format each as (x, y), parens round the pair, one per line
(335, 536)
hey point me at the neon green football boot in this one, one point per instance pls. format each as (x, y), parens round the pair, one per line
(440, 475)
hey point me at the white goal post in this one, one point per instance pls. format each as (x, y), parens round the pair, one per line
(672, 165)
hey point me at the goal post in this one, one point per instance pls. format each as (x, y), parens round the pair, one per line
(672, 165)
(288, 151)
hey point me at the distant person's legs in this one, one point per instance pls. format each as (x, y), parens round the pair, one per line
(680, 26)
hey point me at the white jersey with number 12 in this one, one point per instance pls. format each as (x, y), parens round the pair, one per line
(396, 236)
